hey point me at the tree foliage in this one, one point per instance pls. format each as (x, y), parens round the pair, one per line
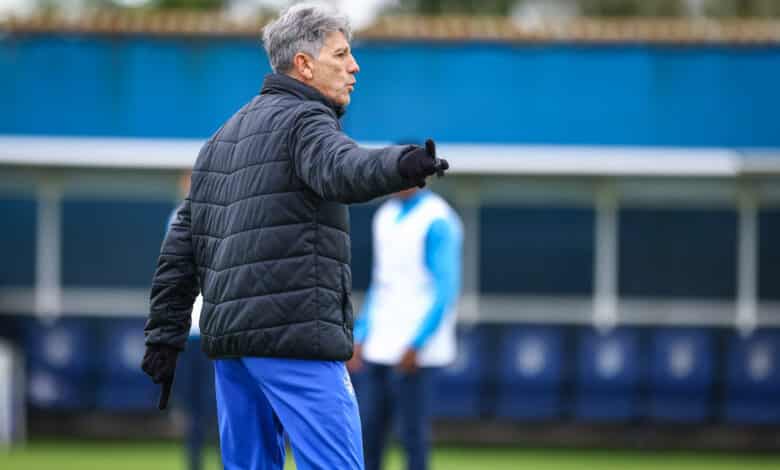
(607, 8)
(188, 4)
(455, 7)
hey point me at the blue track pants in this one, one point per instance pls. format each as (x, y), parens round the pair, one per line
(261, 399)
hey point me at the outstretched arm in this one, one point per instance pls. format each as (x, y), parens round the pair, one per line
(336, 167)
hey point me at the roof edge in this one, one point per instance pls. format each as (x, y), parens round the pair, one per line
(442, 28)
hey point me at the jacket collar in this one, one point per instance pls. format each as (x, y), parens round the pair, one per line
(279, 83)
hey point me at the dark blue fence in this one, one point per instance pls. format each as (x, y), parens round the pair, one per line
(502, 371)
(575, 373)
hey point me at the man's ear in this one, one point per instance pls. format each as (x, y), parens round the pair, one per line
(303, 64)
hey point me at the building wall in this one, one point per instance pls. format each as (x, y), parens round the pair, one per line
(456, 92)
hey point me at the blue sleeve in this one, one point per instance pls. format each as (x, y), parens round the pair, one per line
(442, 258)
(363, 321)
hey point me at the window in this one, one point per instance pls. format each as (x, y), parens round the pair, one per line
(17, 242)
(112, 243)
(543, 251)
(769, 254)
(678, 253)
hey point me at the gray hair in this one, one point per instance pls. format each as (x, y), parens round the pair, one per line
(301, 28)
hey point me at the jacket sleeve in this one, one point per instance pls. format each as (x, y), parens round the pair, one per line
(174, 286)
(337, 168)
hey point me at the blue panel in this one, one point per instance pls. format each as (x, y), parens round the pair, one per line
(769, 254)
(17, 242)
(531, 373)
(545, 93)
(122, 385)
(610, 371)
(458, 387)
(538, 250)
(361, 216)
(56, 390)
(61, 363)
(678, 253)
(112, 243)
(681, 375)
(753, 378)
(564, 93)
(67, 346)
(122, 349)
(128, 87)
(120, 395)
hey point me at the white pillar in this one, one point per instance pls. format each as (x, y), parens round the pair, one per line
(605, 299)
(467, 201)
(747, 259)
(47, 257)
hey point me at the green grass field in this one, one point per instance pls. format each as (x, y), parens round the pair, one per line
(168, 456)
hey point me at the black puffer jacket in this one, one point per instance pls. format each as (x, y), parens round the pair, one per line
(264, 233)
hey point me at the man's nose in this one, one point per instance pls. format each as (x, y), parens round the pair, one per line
(353, 66)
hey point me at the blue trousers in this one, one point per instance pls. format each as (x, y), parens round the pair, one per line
(313, 402)
(385, 394)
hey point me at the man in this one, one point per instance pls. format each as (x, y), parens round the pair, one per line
(407, 325)
(264, 235)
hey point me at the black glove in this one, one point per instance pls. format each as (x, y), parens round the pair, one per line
(418, 163)
(160, 364)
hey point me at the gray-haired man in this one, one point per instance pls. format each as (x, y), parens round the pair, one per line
(264, 235)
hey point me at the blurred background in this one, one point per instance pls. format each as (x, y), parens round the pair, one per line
(616, 164)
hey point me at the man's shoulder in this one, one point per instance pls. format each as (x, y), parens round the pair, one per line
(267, 112)
(269, 104)
(291, 111)
(308, 109)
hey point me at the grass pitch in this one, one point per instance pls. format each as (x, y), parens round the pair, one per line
(78, 455)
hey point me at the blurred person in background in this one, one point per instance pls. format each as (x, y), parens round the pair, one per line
(196, 369)
(406, 329)
(264, 235)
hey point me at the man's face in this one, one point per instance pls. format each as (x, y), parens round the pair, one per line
(333, 72)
